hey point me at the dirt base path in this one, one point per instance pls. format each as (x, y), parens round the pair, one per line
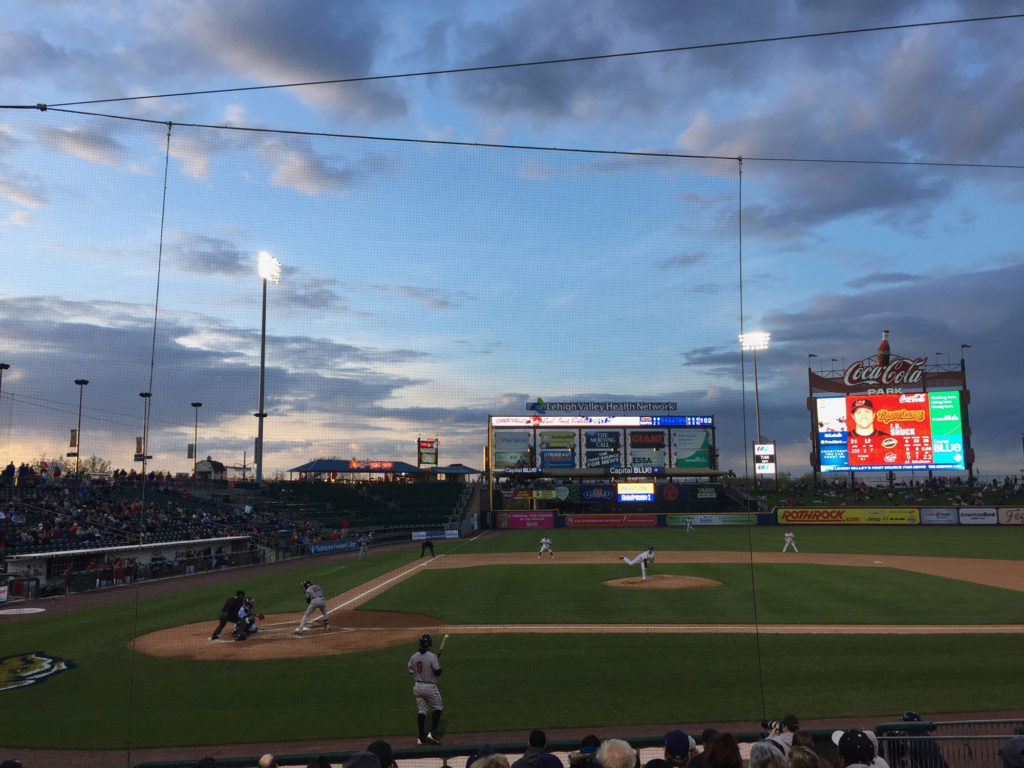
(353, 631)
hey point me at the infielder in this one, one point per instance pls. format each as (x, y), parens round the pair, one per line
(425, 668)
(314, 600)
(645, 559)
(545, 546)
(364, 547)
(790, 538)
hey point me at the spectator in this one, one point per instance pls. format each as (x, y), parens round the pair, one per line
(679, 748)
(767, 754)
(855, 748)
(267, 761)
(721, 751)
(697, 761)
(363, 759)
(584, 756)
(383, 752)
(535, 746)
(1013, 753)
(783, 734)
(616, 753)
(548, 760)
(917, 750)
(803, 757)
(493, 760)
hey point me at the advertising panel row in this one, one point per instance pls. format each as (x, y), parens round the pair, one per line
(681, 448)
(909, 431)
(902, 516)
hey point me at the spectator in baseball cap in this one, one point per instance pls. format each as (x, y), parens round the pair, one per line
(584, 756)
(855, 747)
(679, 748)
(384, 753)
(363, 759)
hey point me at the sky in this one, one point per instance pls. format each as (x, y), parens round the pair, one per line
(457, 245)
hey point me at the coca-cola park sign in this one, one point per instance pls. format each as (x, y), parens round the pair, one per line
(892, 378)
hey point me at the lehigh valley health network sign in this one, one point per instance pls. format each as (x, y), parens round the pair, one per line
(573, 406)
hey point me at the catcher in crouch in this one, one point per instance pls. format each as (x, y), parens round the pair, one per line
(247, 617)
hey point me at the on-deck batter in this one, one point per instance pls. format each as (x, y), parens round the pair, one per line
(425, 668)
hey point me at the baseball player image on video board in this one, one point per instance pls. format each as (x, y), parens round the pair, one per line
(314, 602)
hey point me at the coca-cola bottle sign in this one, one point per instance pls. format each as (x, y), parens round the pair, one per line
(900, 372)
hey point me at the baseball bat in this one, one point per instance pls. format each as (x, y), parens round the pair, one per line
(443, 641)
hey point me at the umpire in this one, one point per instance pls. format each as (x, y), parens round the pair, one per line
(229, 612)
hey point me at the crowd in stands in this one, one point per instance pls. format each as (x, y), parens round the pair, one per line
(952, 491)
(784, 745)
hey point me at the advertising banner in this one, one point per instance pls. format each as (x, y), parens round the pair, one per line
(512, 448)
(849, 516)
(326, 547)
(647, 448)
(557, 449)
(691, 448)
(1011, 515)
(731, 518)
(538, 518)
(920, 430)
(939, 516)
(602, 448)
(597, 493)
(611, 521)
(978, 516)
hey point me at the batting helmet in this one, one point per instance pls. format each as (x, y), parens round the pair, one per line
(250, 600)
(307, 583)
(426, 640)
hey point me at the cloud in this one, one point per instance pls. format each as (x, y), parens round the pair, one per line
(878, 279)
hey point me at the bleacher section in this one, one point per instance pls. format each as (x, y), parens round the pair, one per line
(367, 505)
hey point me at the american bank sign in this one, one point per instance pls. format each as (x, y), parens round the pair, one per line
(573, 406)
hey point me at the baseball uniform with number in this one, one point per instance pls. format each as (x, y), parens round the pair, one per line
(425, 668)
(315, 600)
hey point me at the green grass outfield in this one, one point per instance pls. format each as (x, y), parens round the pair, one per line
(114, 698)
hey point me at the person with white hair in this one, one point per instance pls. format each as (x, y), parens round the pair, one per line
(766, 754)
(615, 753)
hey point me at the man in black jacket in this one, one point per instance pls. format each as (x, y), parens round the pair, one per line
(229, 612)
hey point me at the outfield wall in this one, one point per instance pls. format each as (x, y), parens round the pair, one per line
(554, 518)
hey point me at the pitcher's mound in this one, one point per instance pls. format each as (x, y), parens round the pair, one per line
(663, 581)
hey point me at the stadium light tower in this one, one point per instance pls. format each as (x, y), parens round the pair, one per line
(3, 367)
(754, 341)
(145, 430)
(195, 439)
(78, 432)
(270, 270)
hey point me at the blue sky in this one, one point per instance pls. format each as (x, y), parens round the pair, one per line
(426, 286)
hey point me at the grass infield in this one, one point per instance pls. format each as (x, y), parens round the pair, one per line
(115, 698)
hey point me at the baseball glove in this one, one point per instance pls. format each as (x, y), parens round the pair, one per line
(260, 616)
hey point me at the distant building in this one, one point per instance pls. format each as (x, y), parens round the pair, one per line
(208, 469)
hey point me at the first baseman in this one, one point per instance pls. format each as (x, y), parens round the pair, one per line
(545, 546)
(315, 600)
(645, 559)
(790, 538)
(425, 668)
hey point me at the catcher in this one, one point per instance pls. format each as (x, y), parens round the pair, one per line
(247, 618)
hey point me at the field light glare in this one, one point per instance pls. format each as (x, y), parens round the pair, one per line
(755, 340)
(269, 267)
